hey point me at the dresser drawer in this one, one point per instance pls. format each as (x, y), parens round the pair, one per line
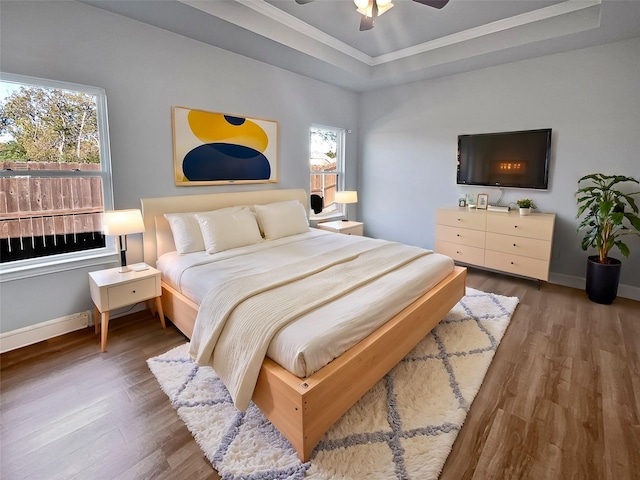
(532, 226)
(461, 253)
(472, 219)
(526, 247)
(131, 292)
(525, 266)
(463, 236)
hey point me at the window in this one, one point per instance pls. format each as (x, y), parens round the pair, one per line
(55, 171)
(326, 163)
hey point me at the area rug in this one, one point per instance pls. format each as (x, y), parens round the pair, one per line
(403, 428)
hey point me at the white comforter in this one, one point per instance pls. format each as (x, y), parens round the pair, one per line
(306, 345)
(236, 322)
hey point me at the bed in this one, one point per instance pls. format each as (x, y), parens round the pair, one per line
(302, 407)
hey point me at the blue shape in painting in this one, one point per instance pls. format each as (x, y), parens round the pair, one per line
(223, 161)
(236, 121)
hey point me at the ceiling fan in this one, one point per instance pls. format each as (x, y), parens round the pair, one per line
(370, 9)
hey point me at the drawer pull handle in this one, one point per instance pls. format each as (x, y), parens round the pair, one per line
(459, 219)
(457, 234)
(515, 226)
(514, 244)
(133, 291)
(458, 252)
(511, 263)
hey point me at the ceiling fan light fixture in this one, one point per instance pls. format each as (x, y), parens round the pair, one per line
(365, 7)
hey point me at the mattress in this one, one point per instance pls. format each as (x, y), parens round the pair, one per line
(312, 341)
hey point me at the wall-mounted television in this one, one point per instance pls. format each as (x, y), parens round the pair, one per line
(506, 159)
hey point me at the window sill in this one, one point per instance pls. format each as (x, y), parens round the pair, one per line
(60, 263)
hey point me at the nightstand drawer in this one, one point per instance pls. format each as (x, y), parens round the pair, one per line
(132, 292)
(344, 227)
(357, 230)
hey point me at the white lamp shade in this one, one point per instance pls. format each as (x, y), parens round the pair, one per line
(347, 196)
(122, 222)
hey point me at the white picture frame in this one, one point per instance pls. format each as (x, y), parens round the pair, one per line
(483, 201)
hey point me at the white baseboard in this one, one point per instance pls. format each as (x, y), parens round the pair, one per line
(43, 331)
(58, 326)
(625, 291)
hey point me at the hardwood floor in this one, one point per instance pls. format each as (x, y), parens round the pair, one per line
(561, 399)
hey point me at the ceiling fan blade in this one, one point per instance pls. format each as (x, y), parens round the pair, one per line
(303, 2)
(366, 23)
(433, 3)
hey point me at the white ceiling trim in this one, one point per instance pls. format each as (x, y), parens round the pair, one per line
(546, 13)
(302, 37)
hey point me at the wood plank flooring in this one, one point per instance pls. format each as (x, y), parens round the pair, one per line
(561, 399)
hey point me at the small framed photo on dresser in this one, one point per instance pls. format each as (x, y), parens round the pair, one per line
(483, 201)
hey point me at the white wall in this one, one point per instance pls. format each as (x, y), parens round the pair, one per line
(590, 98)
(145, 71)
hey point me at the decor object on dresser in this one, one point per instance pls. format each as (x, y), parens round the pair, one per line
(346, 197)
(525, 205)
(343, 226)
(502, 241)
(121, 223)
(610, 214)
(483, 201)
(403, 427)
(216, 148)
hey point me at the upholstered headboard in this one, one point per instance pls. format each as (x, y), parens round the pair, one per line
(157, 236)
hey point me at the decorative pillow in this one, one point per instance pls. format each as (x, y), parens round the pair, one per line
(281, 219)
(186, 232)
(224, 229)
(187, 235)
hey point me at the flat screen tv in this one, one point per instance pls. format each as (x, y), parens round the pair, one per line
(506, 159)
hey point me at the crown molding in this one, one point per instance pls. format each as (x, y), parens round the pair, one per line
(301, 36)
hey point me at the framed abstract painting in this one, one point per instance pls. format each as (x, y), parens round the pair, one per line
(217, 148)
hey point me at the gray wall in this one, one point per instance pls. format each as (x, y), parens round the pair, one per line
(407, 134)
(591, 100)
(145, 71)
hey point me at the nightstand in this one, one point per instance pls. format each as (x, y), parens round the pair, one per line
(111, 289)
(348, 228)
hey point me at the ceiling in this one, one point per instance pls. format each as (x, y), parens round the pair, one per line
(410, 42)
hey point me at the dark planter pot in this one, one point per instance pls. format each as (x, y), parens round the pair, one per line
(602, 279)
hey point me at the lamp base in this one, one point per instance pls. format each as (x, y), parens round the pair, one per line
(124, 269)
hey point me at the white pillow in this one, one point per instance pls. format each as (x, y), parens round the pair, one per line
(185, 228)
(282, 219)
(186, 232)
(222, 230)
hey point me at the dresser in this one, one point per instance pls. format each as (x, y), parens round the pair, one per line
(502, 241)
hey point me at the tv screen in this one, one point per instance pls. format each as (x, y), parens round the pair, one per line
(506, 159)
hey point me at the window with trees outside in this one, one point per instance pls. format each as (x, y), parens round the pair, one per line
(326, 163)
(55, 170)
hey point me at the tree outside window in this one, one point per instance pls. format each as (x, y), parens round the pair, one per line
(54, 166)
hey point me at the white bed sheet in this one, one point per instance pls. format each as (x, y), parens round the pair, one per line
(309, 343)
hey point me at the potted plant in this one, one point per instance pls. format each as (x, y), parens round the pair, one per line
(610, 214)
(525, 205)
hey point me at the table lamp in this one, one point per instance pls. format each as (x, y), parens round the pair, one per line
(346, 196)
(121, 223)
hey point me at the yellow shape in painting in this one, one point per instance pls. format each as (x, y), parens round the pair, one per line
(215, 128)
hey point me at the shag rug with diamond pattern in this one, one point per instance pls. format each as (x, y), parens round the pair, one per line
(403, 428)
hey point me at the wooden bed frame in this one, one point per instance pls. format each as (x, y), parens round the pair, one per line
(303, 409)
